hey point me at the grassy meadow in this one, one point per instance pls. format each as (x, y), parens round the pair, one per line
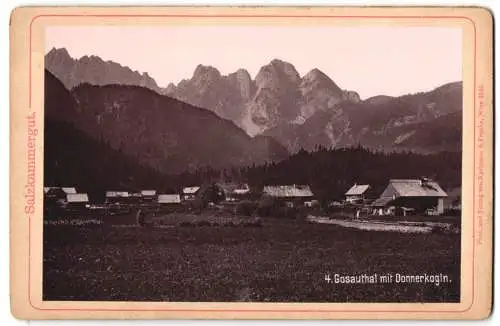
(275, 260)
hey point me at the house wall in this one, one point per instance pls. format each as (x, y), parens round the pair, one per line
(420, 204)
(354, 198)
(440, 205)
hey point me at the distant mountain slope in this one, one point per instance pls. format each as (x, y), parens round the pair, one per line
(73, 158)
(157, 131)
(383, 122)
(93, 70)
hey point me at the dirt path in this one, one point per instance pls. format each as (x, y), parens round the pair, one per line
(402, 226)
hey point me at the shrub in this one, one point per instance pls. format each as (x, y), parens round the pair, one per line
(229, 224)
(204, 223)
(254, 223)
(452, 212)
(247, 208)
(266, 206)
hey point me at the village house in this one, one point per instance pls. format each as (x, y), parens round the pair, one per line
(406, 196)
(76, 201)
(148, 195)
(169, 199)
(189, 193)
(357, 194)
(290, 195)
(57, 196)
(117, 197)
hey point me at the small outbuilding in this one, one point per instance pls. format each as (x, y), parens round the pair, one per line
(76, 201)
(169, 199)
(113, 197)
(189, 193)
(356, 194)
(148, 195)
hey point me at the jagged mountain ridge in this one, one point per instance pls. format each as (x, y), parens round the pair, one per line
(304, 112)
(93, 70)
(278, 95)
(156, 131)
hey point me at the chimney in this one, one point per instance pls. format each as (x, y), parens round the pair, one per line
(424, 181)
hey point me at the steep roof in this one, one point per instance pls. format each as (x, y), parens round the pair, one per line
(69, 190)
(288, 191)
(190, 190)
(169, 198)
(234, 188)
(357, 190)
(417, 188)
(382, 201)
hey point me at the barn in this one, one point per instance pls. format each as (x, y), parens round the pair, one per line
(357, 194)
(291, 195)
(402, 196)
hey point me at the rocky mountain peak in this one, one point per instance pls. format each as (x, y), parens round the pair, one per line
(59, 56)
(203, 70)
(60, 52)
(276, 72)
(94, 70)
(316, 79)
(243, 82)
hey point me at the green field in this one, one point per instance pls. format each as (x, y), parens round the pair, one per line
(277, 261)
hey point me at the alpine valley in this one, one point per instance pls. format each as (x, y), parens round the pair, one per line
(252, 120)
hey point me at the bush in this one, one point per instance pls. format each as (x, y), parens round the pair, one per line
(247, 208)
(452, 212)
(254, 223)
(265, 207)
(204, 223)
(186, 224)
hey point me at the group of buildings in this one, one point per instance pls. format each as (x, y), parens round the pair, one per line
(400, 197)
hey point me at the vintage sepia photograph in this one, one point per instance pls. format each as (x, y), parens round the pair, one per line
(252, 163)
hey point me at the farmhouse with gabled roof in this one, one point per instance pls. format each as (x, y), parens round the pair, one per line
(419, 195)
(289, 194)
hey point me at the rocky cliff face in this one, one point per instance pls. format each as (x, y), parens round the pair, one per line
(93, 70)
(423, 122)
(278, 95)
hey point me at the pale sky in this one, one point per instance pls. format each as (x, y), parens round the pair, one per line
(369, 60)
